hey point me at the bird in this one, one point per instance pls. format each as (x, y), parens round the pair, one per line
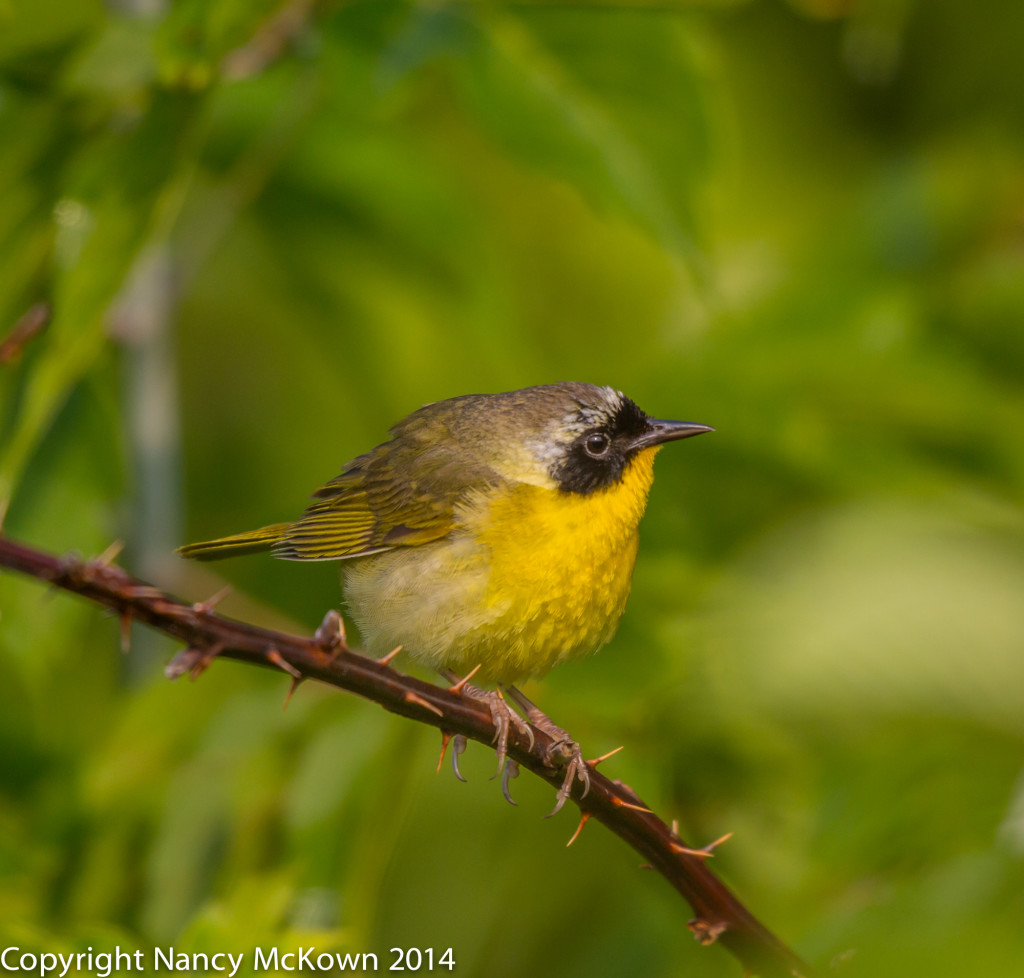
(490, 532)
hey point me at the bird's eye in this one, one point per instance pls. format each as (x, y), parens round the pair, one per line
(597, 444)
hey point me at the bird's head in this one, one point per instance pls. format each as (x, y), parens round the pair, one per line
(574, 437)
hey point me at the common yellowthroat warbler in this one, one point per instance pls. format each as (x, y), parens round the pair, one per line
(497, 530)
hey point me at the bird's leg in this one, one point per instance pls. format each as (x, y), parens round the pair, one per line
(502, 715)
(562, 751)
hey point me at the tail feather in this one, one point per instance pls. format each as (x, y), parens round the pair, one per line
(253, 542)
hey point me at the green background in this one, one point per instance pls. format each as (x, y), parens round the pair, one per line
(270, 230)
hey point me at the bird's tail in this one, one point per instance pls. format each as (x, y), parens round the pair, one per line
(253, 542)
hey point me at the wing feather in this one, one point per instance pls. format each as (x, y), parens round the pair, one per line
(405, 492)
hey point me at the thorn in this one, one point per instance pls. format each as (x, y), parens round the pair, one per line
(184, 661)
(458, 746)
(719, 841)
(619, 803)
(510, 770)
(457, 688)
(446, 737)
(411, 697)
(675, 827)
(191, 660)
(604, 757)
(203, 607)
(330, 634)
(707, 932)
(386, 659)
(291, 691)
(204, 661)
(109, 555)
(707, 852)
(278, 660)
(126, 632)
(687, 851)
(584, 818)
(645, 866)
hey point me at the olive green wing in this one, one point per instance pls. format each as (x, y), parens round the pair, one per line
(404, 493)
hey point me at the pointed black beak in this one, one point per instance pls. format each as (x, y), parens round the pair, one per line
(659, 432)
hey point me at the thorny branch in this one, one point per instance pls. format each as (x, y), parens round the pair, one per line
(326, 657)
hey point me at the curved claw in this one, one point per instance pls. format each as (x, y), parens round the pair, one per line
(529, 733)
(562, 752)
(502, 715)
(509, 771)
(499, 714)
(583, 773)
(504, 718)
(575, 768)
(458, 746)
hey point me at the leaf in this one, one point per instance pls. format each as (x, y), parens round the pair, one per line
(103, 227)
(561, 91)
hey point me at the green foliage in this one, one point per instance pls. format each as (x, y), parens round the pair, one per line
(269, 230)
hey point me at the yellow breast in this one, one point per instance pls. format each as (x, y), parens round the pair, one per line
(560, 572)
(533, 576)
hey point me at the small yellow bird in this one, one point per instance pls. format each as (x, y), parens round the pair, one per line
(497, 530)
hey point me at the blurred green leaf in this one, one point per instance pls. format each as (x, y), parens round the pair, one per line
(101, 230)
(35, 36)
(559, 89)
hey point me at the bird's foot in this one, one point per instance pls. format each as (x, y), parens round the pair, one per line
(563, 751)
(502, 715)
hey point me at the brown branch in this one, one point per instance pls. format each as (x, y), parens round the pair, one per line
(34, 321)
(270, 40)
(719, 914)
